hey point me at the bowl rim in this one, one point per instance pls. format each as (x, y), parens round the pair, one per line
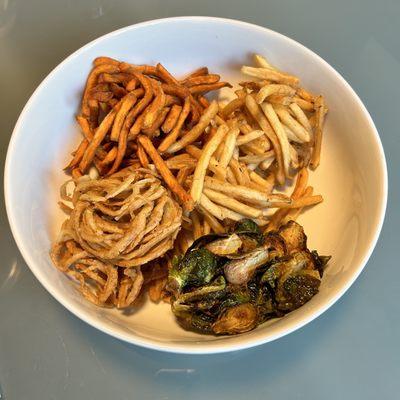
(190, 347)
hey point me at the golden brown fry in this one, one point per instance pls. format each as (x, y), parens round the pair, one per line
(197, 231)
(208, 87)
(301, 183)
(171, 118)
(249, 137)
(126, 104)
(271, 75)
(262, 62)
(301, 202)
(206, 227)
(231, 107)
(242, 192)
(167, 175)
(303, 104)
(197, 130)
(280, 133)
(258, 115)
(218, 211)
(301, 117)
(292, 124)
(293, 214)
(237, 172)
(204, 160)
(171, 138)
(320, 114)
(156, 288)
(212, 221)
(304, 94)
(228, 148)
(266, 184)
(232, 204)
(257, 158)
(268, 90)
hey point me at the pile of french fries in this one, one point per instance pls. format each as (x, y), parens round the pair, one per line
(221, 162)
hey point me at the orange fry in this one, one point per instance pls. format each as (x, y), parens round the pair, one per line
(172, 118)
(171, 138)
(167, 175)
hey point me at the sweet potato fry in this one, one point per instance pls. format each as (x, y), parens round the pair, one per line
(92, 81)
(164, 74)
(171, 138)
(126, 104)
(171, 118)
(202, 79)
(157, 123)
(98, 137)
(197, 130)
(167, 175)
(208, 87)
(155, 108)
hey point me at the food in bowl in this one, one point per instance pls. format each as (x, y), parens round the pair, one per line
(161, 166)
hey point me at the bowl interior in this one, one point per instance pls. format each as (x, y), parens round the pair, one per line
(351, 178)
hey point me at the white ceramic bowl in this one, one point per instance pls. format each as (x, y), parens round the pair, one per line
(352, 176)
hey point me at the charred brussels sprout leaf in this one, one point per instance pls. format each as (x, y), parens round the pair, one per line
(320, 261)
(246, 226)
(198, 267)
(298, 289)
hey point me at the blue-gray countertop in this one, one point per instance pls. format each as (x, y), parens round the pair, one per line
(351, 352)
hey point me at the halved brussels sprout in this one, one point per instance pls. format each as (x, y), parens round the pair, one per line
(237, 319)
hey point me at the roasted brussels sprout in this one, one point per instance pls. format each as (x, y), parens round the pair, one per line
(228, 284)
(198, 267)
(236, 319)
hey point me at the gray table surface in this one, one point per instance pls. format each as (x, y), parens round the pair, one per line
(350, 352)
